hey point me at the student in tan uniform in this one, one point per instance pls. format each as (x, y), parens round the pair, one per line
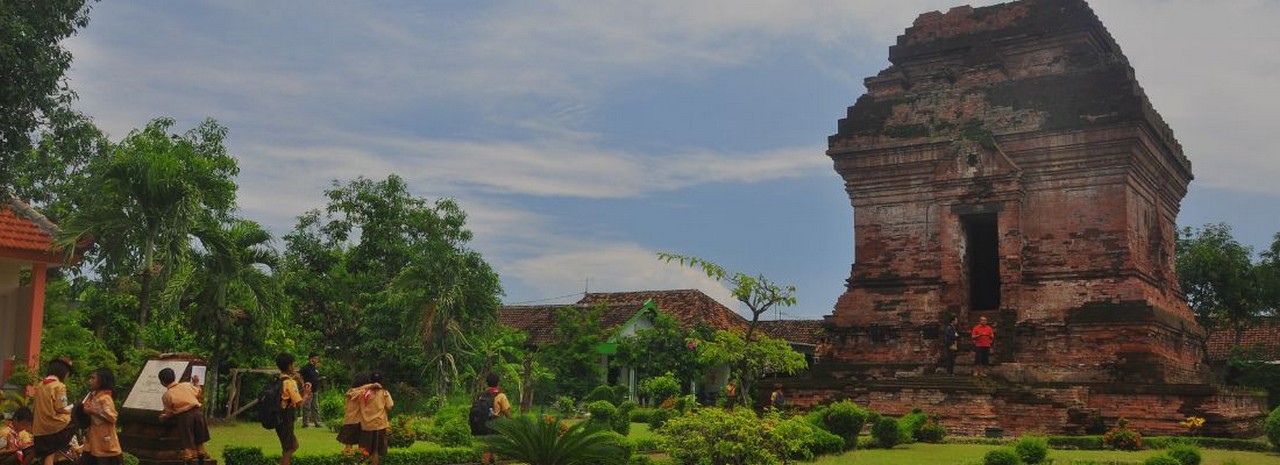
(290, 399)
(375, 403)
(102, 446)
(349, 435)
(182, 407)
(15, 437)
(52, 428)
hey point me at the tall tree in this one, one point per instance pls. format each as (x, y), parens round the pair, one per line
(1217, 274)
(227, 290)
(757, 292)
(54, 173)
(33, 64)
(664, 348)
(573, 359)
(143, 201)
(387, 277)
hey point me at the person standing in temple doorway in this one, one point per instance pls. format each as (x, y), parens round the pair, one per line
(311, 405)
(983, 335)
(950, 344)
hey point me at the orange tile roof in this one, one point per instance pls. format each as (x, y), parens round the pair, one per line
(689, 306)
(1259, 340)
(539, 321)
(25, 234)
(794, 331)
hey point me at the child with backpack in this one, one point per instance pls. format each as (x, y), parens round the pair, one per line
(375, 404)
(490, 404)
(52, 428)
(182, 407)
(349, 435)
(289, 401)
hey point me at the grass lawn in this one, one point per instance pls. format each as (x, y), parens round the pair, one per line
(963, 454)
(319, 441)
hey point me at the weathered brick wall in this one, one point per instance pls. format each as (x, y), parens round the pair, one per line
(1027, 111)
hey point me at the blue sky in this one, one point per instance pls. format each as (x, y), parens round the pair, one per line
(582, 137)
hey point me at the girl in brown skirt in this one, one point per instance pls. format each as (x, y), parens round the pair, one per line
(182, 407)
(375, 403)
(102, 447)
(349, 435)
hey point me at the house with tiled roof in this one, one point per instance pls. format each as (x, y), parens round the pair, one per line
(1259, 341)
(625, 313)
(26, 254)
(804, 336)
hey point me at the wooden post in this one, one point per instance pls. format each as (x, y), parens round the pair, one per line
(36, 326)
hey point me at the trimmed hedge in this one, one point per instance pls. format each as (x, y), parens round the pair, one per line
(1152, 442)
(232, 455)
(1001, 456)
(1272, 427)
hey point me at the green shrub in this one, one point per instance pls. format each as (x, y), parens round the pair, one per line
(400, 435)
(1272, 427)
(1001, 456)
(603, 414)
(1122, 438)
(641, 414)
(716, 436)
(1186, 454)
(622, 393)
(332, 404)
(1076, 442)
(547, 440)
(602, 392)
(1160, 460)
(1252, 445)
(660, 388)
(566, 406)
(235, 455)
(1032, 449)
(844, 419)
(822, 442)
(645, 444)
(659, 417)
(885, 432)
(909, 426)
(453, 432)
(932, 432)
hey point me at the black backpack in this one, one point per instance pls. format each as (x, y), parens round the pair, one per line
(269, 411)
(481, 412)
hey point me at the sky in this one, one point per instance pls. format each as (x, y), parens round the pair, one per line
(583, 137)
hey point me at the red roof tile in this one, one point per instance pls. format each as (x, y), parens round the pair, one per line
(539, 321)
(689, 306)
(1260, 340)
(25, 234)
(794, 331)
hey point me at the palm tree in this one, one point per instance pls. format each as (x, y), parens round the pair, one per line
(500, 350)
(548, 441)
(143, 200)
(228, 287)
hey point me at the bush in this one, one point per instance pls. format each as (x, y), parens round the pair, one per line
(645, 444)
(1032, 449)
(400, 435)
(622, 421)
(1001, 456)
(566, 406)
(844, 419)
(233, 455)
(453, 432)
(659, 417)
(1077, 442)
(660, 388)
(602, 392)
(548, 440)
(1160, 460)
(1272, 427)
(332, 405)
(622, 393)
(909, 426)
(1122, 438)
(885, 432)
(641, 414)
(1186, 454)
(932, 432)
(713, 435)
(822, 442)
(602, 413)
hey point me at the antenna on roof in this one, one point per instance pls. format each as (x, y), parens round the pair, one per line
(586, 287)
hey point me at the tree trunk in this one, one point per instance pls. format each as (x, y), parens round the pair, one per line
(143, 307)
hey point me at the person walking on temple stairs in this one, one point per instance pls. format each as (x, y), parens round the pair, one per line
(950, 343)
(983, 336)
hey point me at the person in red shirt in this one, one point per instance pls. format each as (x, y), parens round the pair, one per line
(983, 335)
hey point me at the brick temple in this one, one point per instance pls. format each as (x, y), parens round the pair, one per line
(1009, 165)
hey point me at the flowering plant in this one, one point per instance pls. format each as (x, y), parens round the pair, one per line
(1192, 424)
(1122, 438)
